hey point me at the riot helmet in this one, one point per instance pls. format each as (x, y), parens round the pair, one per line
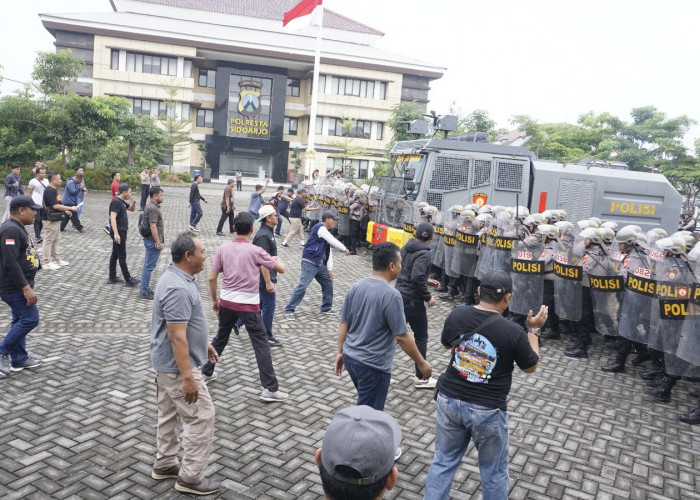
(628, 235)
(607, 234)
(675, 246)
(611, 225)
(548, 230)
(591, 234)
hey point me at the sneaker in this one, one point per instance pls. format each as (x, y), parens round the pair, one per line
(132, 282)
(5, 365)
(209, 378)
(274, 342)
(329, 311)
(235, 329)
(29, 363)
(205, 487)
(39, 240)
(278, 395)
(106, 230)
(284, 244)
(302, 244)
(290, 316)
(424, 384)
(173, 471)
(114, 281)
(51, 266)
(278, 234)
(61, 263)
(148, 295)
(219, 233)
(193, 228)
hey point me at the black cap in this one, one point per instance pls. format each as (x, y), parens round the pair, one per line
(497, 281)
(424, 230)
(123, 187)
(23, 202)
(327, 214)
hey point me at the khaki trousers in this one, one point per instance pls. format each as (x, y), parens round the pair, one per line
(52, 234)
(294, 230)
(195, 421)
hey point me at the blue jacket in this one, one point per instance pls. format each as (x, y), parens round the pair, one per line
(316, 249)
(72, 194)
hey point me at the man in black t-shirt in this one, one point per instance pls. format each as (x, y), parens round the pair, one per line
(471, 398)
(119, 224)
(18, 266)
(296, 209)
(54, 213)
(268, 278)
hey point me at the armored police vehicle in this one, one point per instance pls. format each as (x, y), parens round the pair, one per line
(444, 172)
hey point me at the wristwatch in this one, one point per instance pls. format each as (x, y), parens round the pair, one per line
(536, 331)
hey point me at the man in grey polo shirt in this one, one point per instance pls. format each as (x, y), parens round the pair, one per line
(179, 345)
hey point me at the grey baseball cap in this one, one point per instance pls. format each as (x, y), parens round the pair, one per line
(364, 439)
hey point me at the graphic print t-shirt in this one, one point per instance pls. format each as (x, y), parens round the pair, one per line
(480, 370)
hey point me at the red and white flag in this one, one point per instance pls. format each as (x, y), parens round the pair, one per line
(301, 15)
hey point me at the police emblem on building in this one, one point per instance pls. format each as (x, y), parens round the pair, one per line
(249, 98)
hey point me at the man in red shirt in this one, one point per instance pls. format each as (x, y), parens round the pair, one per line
(116, 178)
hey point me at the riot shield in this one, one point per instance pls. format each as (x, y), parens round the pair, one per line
(464, 257)
(499, 245)
(674, 280)
(313, 202)
(635, 315)
(343, 207)
(689, 342)
(449, 241)
(567, 278)
(607, 290)
(437, 249)
(527, 273)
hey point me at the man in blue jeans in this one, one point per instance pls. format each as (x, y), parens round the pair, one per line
(471, 398)
(18, 266)
(371, 324)
(317, 263)
(195, 204)
(268, 277)
(154, 242)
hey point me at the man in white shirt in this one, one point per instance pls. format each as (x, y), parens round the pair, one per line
(36, 191)
(317, 263)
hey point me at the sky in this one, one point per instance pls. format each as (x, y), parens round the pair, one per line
(550, 59)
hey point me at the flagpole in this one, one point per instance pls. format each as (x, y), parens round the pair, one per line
(310, 153)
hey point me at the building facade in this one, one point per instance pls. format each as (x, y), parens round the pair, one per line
(240, 86)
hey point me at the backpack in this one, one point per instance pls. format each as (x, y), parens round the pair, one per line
(144, 226)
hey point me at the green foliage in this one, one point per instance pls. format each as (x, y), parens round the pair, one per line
(176, 129)
(54, 71)
(296, 160)
(185, 177)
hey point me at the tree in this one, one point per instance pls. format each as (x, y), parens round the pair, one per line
(348, 147)
(176, 128)
(54, 71)
(401, 115)
(142, 136)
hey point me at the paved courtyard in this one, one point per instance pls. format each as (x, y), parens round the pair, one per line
(83, 425)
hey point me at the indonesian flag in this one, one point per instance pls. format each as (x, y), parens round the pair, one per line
(302, 15)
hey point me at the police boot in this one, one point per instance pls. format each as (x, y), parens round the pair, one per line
(651, 374)
(692, 418)
(551, 335)
(576, 352)
(641, 357)
(616, 366)
(663, 391)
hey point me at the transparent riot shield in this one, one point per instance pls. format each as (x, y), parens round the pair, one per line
(607, 290)
(689, 342)
(343, 207)
(437, 247)
(500, 242)
(464, 258)
(449, 239)
(635, 314)
(314, 201)
(527, 273)
(568, 275)
(674, 280)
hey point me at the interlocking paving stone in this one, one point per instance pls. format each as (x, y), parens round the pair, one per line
(83, 425)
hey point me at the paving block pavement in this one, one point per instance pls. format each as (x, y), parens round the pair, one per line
(83, 424)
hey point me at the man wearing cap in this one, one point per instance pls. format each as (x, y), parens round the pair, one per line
(227, 208)
(265, 239)
(13, 187)
(240, 262)
(296, 210)
(357, 456)
(54, 211)
(18, 266)
(372, 322)
(412, 283)
(317, 263)
(471, 398)
(119, 224)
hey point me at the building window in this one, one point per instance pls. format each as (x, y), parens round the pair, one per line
(380, 131)
(335, 126)
(205, 118)
(319, 125)
(361, 167)
(185, 111)
(114, 59)
(293, 87)
(361, 129)
(352, 87)
(321, 84)
(149, 107)
(291, 126)
(149, 63)
(207, 78)
(187, 69)
(382, 91)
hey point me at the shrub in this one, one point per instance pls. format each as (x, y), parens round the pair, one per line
(185, 177)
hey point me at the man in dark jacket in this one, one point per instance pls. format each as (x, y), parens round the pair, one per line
(194, 205)
(412, 284)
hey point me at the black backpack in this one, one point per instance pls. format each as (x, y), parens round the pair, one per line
(144, 226)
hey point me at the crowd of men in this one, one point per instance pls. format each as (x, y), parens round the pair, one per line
(516, 271)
